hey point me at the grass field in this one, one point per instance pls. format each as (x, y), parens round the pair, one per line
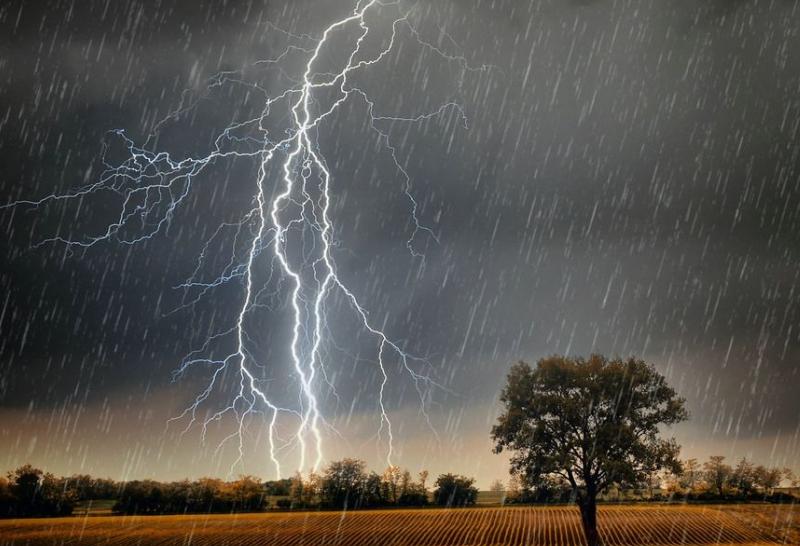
(623, 525)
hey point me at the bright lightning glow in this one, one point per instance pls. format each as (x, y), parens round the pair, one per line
(153, 185)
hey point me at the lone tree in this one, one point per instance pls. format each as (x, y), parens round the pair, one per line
(592, 422)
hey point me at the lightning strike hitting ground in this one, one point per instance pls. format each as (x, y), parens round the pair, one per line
(293, 198)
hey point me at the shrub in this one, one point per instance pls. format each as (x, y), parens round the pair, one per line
(455, 490)
(781, 498)
(413, 498)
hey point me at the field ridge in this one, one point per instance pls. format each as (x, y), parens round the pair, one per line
(544, 526)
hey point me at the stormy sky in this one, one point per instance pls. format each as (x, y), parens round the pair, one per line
(626, 182)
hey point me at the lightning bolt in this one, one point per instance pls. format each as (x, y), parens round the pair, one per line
(153, 184)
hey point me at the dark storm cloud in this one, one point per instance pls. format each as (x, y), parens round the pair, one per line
(628, 184)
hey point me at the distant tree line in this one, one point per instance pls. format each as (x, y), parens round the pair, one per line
(28, 491)
(711, 481)
(345, 484)
(246, 494)
(717, 480)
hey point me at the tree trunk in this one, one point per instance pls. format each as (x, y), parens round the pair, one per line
(588, 508)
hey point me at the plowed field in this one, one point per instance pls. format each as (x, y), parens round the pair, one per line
(619, 525)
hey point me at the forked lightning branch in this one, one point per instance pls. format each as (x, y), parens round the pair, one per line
(153, 184)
